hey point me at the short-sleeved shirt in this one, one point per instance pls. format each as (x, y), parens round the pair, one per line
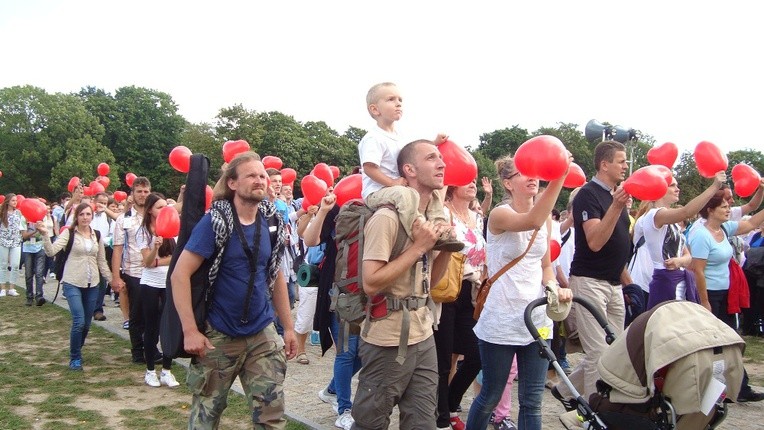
(152, 276)
(607, 264)
(232, 282)
(380, 234)
(662, 243)
(10, 234)
(125, 233)
(717, 255)
(381, 148)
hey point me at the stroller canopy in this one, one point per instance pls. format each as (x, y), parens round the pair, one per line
(694, 344)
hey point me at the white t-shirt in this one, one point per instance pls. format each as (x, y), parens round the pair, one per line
(381, 148)
(152, 276)
(566, 252)
(101, 223)
(661, 243)
(641, 264)
(502, 320)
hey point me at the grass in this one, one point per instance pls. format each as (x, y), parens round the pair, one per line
(37, 390)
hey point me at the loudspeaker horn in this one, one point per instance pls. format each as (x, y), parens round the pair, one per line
(595, 130)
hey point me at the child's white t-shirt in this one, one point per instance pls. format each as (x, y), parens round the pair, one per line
(381, 148)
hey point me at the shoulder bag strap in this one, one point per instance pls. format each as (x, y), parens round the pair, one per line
(509, 265)
(251, 256)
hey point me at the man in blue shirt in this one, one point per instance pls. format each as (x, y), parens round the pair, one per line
(240, 339)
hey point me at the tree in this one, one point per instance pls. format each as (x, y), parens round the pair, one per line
(201, 139)
(355, 134)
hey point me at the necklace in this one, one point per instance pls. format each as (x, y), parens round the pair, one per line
(717, 231)
(463, 217)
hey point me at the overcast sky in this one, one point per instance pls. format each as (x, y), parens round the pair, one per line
(681, 72)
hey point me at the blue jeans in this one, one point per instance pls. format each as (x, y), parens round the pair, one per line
(34, 271)
(82, 302)
(346, 364)
(497, 362)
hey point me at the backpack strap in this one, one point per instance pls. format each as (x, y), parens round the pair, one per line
(252, 256)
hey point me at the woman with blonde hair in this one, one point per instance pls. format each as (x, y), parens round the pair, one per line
(514, 227)
(11, 226)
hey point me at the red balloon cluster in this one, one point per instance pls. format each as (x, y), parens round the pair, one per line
(180, 159)
(168, 222)
(575, 177)
(234, 147)
(32, 209)
(348, 188)
(709, 159)
(461, 168)
(664, 154)
(542, 157)
(646, 183)
(271, 162)
(746, 179)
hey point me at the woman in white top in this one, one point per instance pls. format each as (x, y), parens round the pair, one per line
(157, 253)
(501, 329)
(11, 226)
(84, 266)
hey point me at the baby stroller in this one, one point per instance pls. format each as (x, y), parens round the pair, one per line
(670, 370)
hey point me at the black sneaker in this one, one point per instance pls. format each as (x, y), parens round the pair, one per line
(568, 404)
(40, 301)
(29, 301)
(750, 396)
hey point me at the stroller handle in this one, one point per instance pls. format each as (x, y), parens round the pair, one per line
(601, 320)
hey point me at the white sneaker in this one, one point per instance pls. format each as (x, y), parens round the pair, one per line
(330, 398)
(12, 292)
(344, 421)
(167, 378)
(151, 379)
(2, 293)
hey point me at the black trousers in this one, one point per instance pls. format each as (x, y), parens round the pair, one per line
(153, 304)
(455, 336)
(137, 324)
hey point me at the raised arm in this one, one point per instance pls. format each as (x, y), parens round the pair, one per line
(674, 215)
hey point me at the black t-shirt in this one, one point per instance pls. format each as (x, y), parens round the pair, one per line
(592, 202)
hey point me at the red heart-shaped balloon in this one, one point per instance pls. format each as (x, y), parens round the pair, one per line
(73, 183)
(103, 169)
(120, 196)
(664, 154)
(575, 177)
(313, 189)
(461, 168)
(130, 178)
(324, 173)
(104, 180)
(554, 249)
(168, 222)
(207, 198)
(180, 159)
(335, 171)
(348, 188)
(746, 179)
(33, 210)
(2, 199)
(271, 162)
(664, 171)
(709, 159)
(96, 187)
(646, 183)
(234, 147)
(542, 157)
(288, 175)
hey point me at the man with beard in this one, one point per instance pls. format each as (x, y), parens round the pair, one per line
(240, 339)
(127, 264)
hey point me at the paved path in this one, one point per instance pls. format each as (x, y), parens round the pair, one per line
(304, 381)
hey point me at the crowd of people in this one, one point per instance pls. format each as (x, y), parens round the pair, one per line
(267, 253)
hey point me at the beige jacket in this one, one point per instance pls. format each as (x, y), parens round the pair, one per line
(82, 267)
(683, 335)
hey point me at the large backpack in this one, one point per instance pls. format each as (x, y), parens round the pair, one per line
(202, 281)
(348, 299)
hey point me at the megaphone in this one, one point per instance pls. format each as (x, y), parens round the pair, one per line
(595, 130)
(623, 135)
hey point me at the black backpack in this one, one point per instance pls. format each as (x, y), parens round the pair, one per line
(59, 260)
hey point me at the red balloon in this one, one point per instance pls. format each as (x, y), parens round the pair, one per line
(313, 189)
(324, 173)
(73, 183)
(104, 180)
(96, 187)
(33, 209)
(554, 249)
(646, 183)
(664, 171)
(288, 175)
(233, 148)
(180, 159)
(103, 169)
(542, 157)
(120, 196)
(86, 190)
(335, 172)
(19, 198)
(207, 198)
(168, 222)
(305, 204)
(348, 188)
(271, 162)
(746, 179)
(461, 168)
(709, 159)
(664, 154)
(2, 198)
(575, 177)
(129, 178)
(1, 175)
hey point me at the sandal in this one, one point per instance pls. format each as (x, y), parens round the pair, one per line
(302, 358)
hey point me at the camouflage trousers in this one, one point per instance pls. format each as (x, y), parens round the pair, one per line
(259, 361)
